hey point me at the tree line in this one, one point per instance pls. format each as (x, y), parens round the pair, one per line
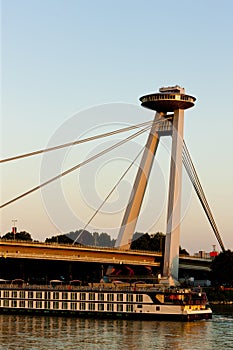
(149, 242)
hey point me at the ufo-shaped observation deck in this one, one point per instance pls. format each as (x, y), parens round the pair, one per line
(168, 100)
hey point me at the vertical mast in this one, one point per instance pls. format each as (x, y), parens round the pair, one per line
(168, 99)
(172, 243)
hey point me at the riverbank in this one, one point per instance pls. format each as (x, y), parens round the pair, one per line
(219, 295)
(219, 302)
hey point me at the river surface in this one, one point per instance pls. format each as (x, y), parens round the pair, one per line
(45, 333)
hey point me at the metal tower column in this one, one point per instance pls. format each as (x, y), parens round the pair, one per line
(133, 208)
(171, 255)
(168, 99)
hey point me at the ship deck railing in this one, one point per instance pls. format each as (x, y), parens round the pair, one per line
(93, 288)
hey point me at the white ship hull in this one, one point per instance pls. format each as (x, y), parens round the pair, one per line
(131, 303)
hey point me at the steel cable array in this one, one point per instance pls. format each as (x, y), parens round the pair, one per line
(73, 143)
(141, 131)
(188, 164)
(109, 194)
(187, 161)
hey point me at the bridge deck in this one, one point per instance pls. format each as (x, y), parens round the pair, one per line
(44, 251)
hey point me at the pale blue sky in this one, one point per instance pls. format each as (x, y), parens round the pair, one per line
(63, 57)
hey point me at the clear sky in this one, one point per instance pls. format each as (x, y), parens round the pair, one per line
(76, 68)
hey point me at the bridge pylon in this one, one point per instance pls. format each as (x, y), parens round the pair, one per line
(168, 99)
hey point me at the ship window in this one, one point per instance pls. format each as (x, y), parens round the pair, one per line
(129, 297)
(100, 307)
(101, 296)
(91, 306)
(64, 295)
(14, 294)
(56, 305)
(6, 303)
(30, 304)
(110, 307)
(30, 295)
(160, 298)
(139, 298)
(139, 306)
(55, 295)
(73, 296)
(64, 305)
(129, 308)
(22, 303)
(22, 294)
(119, 297)
(110, 297)
(14, 303)
(83, 306)
(82, 296)
(73, 306)
(47, 304)
(91, 296)
(39, 304)
(6, 294)
(39, 295)
(157, 308)
(119, 307)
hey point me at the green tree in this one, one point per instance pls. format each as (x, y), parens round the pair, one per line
(105, 240)
(158, 242)
(222, 268)
(9, 236)
(142, 243)
(154, 242)
(137, 235)
(61, 239)
(20, 236)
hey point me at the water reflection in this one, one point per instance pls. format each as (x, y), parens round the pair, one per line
(34, 332)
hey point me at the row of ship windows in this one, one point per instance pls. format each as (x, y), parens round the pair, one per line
(56, 305)
(71, 296)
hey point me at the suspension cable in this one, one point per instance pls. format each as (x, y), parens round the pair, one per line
(201, 195)
(193, 175)
(189, 166)
(77, 166)
(199, 190)
(84, 162)
(118, 131)
(109, 194)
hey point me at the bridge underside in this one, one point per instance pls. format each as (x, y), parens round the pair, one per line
(39, 261)
(43, 271)
(35, 270)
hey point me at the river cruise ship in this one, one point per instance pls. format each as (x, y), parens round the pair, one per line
(105, 300)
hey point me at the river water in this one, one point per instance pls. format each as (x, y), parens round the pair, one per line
(45, 333)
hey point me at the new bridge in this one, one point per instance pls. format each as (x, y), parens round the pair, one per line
(111, 256)
(169, 104)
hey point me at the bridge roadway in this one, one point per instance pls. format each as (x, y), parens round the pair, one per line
(59, 252)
